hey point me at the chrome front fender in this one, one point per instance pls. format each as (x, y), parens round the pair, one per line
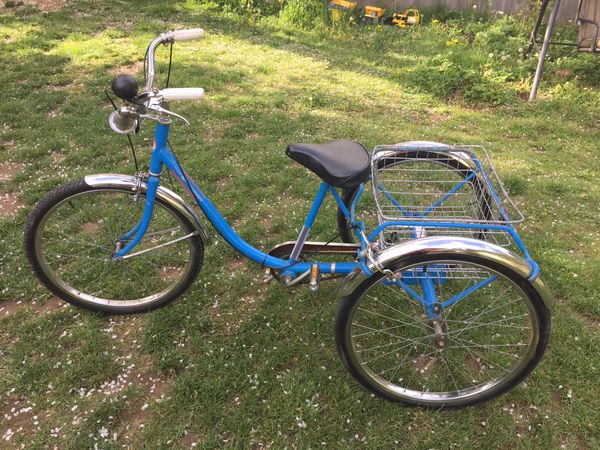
(118, 181)
(411, 253)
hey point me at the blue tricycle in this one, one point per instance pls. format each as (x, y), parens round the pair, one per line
(441, 304)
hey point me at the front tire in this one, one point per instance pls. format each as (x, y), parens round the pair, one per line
(493, 337)
(72, 234)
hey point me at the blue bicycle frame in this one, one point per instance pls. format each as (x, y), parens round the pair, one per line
(162, 156)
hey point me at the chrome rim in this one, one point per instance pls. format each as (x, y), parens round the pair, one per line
(76, 239)
(490, 336)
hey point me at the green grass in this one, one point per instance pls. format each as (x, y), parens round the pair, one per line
(237, 363)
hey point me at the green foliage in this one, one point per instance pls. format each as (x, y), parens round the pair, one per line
(257, 7)
(305, 13)
(451, 76)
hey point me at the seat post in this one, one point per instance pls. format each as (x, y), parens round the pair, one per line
(310, 220)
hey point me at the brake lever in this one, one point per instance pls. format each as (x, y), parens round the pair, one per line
(160, 110)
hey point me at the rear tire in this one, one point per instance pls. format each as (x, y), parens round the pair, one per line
(493, 337)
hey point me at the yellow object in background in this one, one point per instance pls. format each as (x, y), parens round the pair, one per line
(409, 18)
(339, 7)
(373, 13)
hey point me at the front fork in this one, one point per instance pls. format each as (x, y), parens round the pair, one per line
(156, 164)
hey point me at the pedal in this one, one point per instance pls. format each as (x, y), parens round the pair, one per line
(314, 278)
(268, 276)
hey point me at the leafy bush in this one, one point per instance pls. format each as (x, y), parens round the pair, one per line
(439, 76)
(257, 7)
(454, 76)
(305, 13)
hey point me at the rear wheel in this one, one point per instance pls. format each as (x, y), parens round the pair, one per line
(475, 349)
(72, 234)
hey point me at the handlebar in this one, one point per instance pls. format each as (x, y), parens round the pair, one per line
(174, 94)
(188, 35)
(147, 104)
(166, 38)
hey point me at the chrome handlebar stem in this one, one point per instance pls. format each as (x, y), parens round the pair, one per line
(164, 38)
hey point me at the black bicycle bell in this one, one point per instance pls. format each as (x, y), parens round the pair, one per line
(125, 87)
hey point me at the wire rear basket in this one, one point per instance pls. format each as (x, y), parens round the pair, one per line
(425, 189)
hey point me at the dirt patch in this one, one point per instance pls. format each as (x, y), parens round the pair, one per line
(556, 398)
(564, 73)
(8, 307)
(190, 440)
(152, 388)
(592, 323)
(9, 170)
(169, 273)
(424, 364)
(57, 158)
(223, 182)
(52, 304)
(9, 204)
(42, 5)
(18, 417)
(237, 264)
(436, 117)
(414, 118)
(90, 227)
(473, 364)
(130, 69)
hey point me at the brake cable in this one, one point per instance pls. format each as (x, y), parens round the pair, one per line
(135, 161)
(170, 61)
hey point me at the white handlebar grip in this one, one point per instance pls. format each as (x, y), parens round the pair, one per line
(188, 35)
(174, 94)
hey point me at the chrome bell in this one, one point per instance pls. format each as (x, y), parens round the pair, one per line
(122, 122)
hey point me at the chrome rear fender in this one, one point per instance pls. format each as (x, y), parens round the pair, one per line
(413, 251)
(118, 181)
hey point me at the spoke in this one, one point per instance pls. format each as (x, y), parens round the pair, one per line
(389, 318)
(426, 355)
(478, 355)
(462, 330)
(156, 233)
(384, 345)
(496, 323)
(383, 331)
(392, 308)
(410, 345)
(449, 371)
(72, 256)
(80, 241)
(410, 298)
(374, 330)
(474, 344)
(487, 310)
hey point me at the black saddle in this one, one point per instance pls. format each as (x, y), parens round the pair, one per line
(342, 164)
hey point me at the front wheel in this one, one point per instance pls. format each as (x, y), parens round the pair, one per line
(487, 330)
(72, 234)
